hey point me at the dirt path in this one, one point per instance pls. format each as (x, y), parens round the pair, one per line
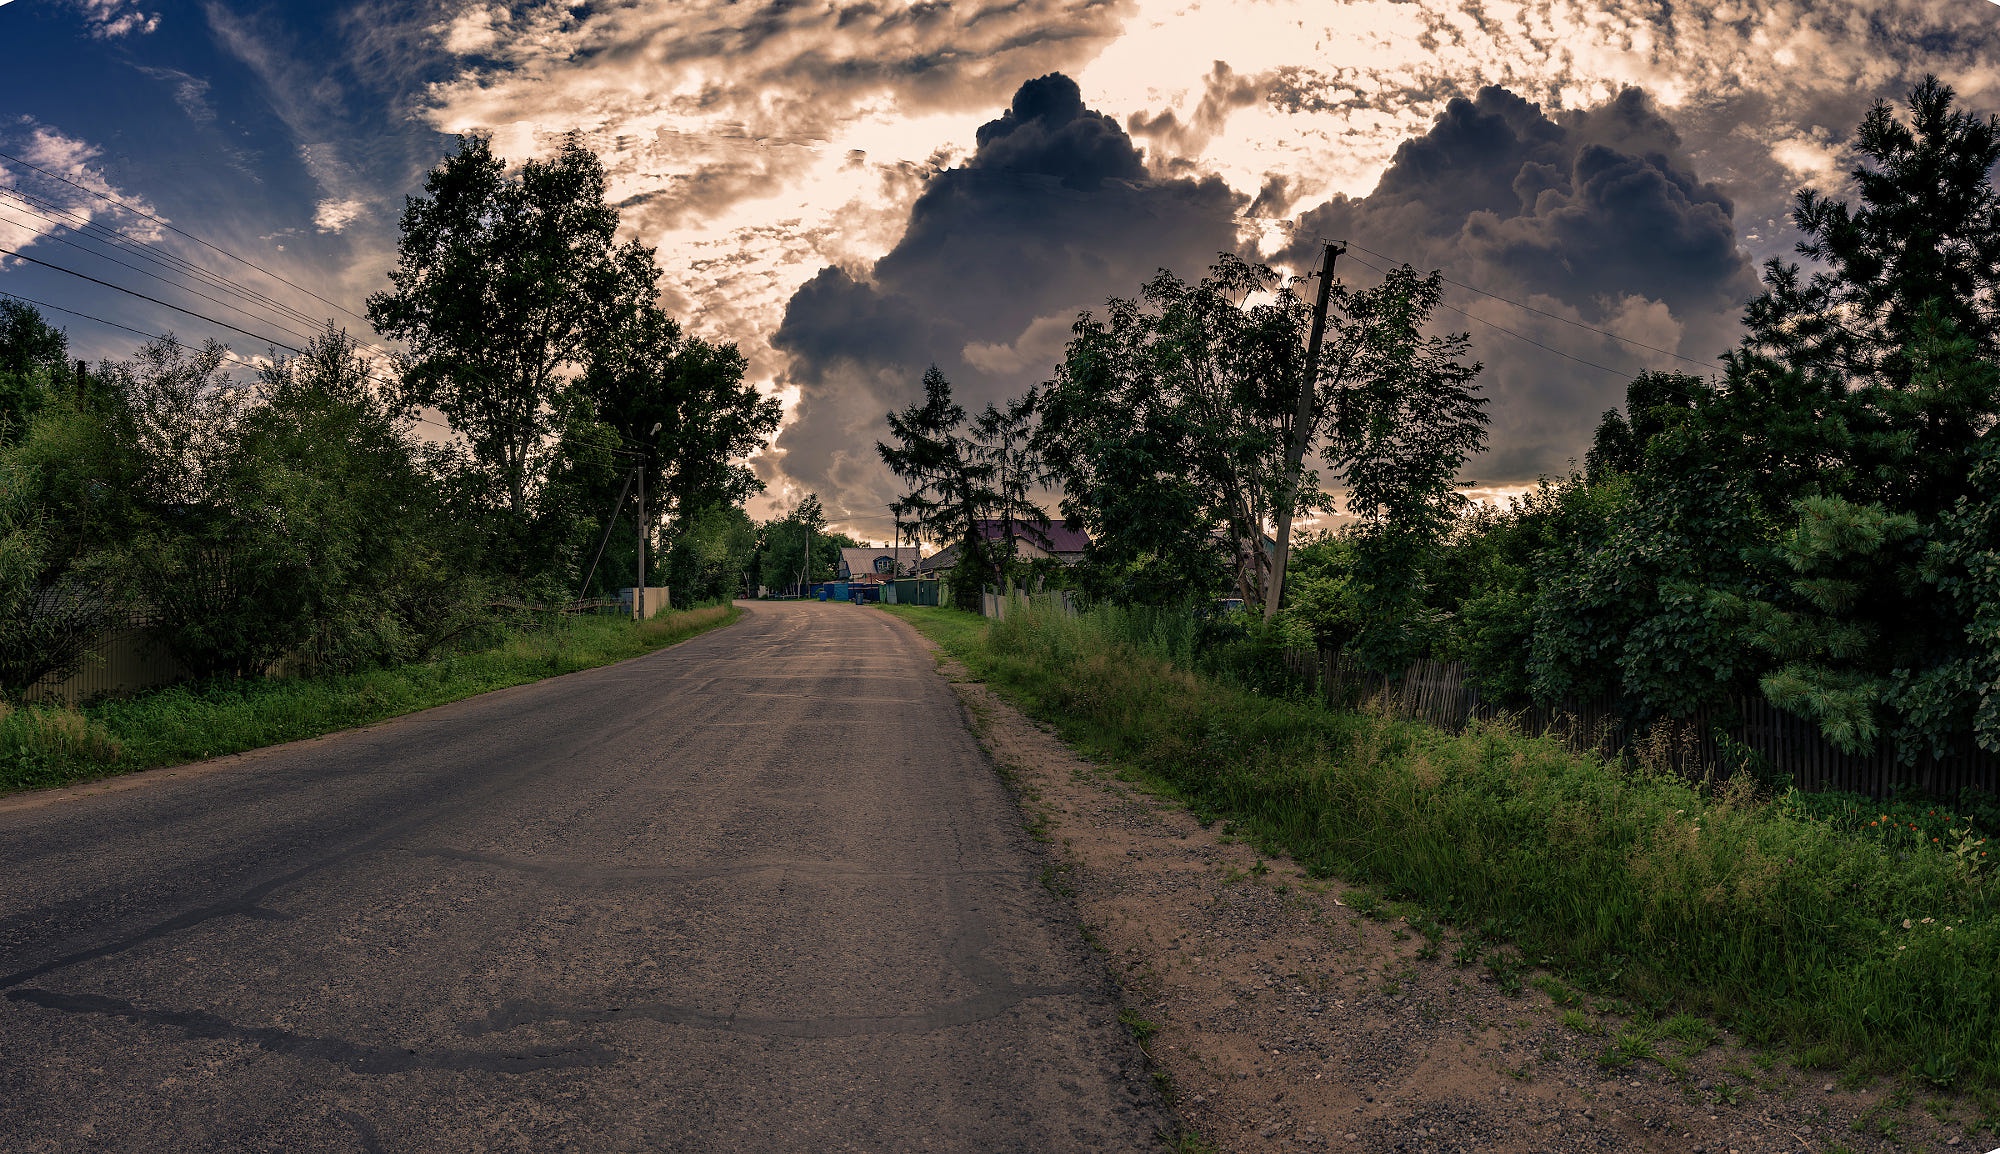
(1281, 1018)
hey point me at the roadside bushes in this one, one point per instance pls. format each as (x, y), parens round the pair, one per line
(1776, 915)
(42, 746)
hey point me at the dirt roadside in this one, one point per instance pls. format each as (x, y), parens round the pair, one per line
(1280, 1018)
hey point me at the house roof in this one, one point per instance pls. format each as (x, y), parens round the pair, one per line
(860, 561)
(1055, 537)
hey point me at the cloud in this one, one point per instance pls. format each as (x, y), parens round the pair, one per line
(33, 206)
(111, 19)
(1594, 217)
(335, 215)
(190, 92)
(758, 144)
(312, 104)
(1052, 214)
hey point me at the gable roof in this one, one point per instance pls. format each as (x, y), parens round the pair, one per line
(1053, 537)
(860, 561)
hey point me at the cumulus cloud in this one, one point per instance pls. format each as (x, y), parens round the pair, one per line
(1052, 214)
(1595, 217)
(758, 144)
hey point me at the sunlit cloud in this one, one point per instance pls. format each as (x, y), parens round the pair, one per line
(756, 146)
(33, 207)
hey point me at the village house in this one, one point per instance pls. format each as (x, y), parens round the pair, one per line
(1031, 541)
(874, 564)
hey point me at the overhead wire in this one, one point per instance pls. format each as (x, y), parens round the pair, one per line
(227, 353)
(163, 223)
(78, 223)
(283, 324)
(1621, 373)
(18, 255)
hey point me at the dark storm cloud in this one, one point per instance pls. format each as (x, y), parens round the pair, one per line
(1052, 214)
(1597, 215)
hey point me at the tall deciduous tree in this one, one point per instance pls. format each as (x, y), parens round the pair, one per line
(1401, 435)
(682, 403)
(504, 284)
(33, 356)
(1175, 420)
(1002, 441)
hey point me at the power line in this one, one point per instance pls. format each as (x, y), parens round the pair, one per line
(1293, 227)
(109, 199)
(1620, 373)
(144, 297)
(283, 324)
(226, 352)
(80, 225)
(84, 225)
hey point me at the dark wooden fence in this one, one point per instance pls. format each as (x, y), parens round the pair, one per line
(1719, 740)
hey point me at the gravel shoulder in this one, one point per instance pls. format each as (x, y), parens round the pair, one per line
(1279, 1017)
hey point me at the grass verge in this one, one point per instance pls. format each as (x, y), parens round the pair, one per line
(43, 746)
(1847, 946)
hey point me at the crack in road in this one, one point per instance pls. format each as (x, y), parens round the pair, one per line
(356, 1057)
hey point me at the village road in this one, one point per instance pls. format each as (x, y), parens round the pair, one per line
(756, 892)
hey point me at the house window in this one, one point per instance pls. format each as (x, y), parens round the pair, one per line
(885, 564)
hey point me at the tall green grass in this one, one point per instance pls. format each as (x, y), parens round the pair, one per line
(44, 746)
(1793, 921)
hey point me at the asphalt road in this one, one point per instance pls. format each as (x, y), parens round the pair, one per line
(759, 892)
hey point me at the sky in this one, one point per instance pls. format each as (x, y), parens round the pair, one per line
(852, 190)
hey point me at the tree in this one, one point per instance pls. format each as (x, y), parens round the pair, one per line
(503, 286)
(1175, 422)
(1401, 436)
(949, 482)
(290, 520)
(1002, 442)
(710, 556)
(682, 404)
(33, 356)
(64, 515)
(1791, 526)
(781, 549)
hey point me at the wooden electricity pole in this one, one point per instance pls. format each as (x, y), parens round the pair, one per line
(639, 594)
(1302, 424)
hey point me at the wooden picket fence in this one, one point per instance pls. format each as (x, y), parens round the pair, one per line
(1712, 741)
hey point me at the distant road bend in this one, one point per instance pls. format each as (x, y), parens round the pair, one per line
(758, 891)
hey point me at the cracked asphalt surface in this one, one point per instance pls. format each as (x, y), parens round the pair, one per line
(758, 891)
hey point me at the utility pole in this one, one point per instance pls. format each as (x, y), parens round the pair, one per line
(639, 594)
(611, 524)
(1302, 423)
(806, 569)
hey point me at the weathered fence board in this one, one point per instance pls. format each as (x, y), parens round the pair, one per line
(127, 663)
(1438, 693)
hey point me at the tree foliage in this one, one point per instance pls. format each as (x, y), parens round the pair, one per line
(1811, 525)
(503, 286)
